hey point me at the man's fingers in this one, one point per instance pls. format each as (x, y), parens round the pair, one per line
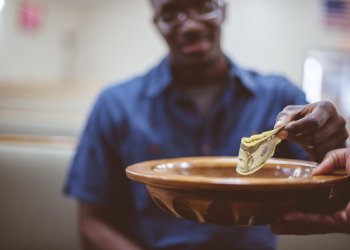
(288, 114)
(335, 159)
(299, 223)
(307, 125)
(294, 216)
(326, 166)
(347, 211)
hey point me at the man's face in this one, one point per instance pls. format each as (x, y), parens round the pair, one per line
(191, 28)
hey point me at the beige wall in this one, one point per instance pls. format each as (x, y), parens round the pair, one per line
(267, 35)
(107, 40)
(36, 56)
(117, 41)
(274, 35)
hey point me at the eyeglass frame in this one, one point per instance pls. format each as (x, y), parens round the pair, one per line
(185, 14)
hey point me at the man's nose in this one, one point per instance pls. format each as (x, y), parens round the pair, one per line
(190, 25)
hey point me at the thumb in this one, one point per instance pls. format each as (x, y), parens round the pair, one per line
(335, 159)
(282, 120)
(326, 166)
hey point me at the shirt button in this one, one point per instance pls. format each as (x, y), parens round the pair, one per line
(206, 150)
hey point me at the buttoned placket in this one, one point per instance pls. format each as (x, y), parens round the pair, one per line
(203, 128)
(210, 131)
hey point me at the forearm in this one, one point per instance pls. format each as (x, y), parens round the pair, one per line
(97, 235)
(96, 232)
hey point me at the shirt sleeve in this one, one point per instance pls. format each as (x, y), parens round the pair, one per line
(93, 168)
(293, 95)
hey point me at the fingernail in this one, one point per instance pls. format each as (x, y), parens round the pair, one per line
(283, 134)
(278, 123)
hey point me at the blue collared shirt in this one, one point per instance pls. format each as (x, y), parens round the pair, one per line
(146, 118)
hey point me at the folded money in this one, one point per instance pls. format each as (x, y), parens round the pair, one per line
(256, 150)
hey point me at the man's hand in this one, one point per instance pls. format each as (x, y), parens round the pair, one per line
(307, 223)
(317, 127)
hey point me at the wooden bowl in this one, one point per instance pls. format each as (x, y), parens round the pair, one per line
(208, 189)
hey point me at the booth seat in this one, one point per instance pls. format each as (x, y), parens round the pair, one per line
(37, 109)
(38, 122)
(34, 214)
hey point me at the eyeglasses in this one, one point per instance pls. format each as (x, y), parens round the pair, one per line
(172, 16)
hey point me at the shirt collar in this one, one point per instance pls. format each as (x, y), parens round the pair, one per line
(245, 77)
(161, 78)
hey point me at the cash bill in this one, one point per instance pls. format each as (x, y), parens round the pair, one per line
(256, 150)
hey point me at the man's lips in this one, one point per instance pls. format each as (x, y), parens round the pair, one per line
(196, 46)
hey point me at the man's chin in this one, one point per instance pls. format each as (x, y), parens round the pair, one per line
(197, 60)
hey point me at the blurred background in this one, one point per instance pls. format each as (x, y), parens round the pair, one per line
(56, 55)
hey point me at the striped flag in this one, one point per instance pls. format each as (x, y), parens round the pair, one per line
(337, 13)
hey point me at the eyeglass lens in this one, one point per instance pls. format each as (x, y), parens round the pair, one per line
(201, 10)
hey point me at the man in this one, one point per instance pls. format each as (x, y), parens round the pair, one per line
(195, 102)
(311, 223)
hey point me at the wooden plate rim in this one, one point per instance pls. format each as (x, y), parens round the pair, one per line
(144, 172)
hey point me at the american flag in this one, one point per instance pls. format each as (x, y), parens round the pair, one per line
(337, 13)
